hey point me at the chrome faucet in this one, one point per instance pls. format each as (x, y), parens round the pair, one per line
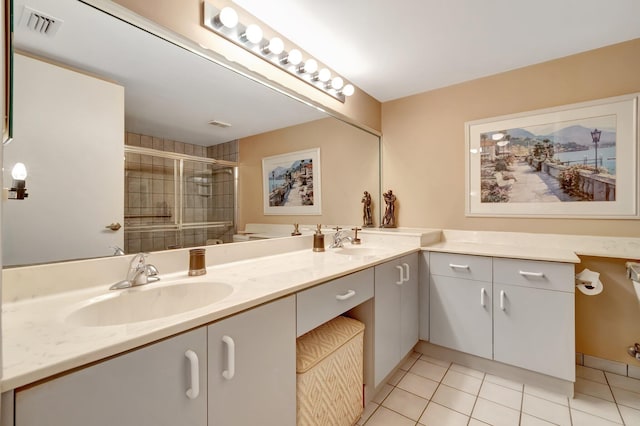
(139, 273)
(339, 238)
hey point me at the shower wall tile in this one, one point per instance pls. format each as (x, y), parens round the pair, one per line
(150, 190)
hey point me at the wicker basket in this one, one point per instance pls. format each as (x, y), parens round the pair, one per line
(329, 374)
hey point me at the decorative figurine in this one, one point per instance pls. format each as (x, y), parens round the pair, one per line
(367, 217)
(389, 219)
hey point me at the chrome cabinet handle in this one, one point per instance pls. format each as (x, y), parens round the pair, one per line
(194, 390)
(455, 266)
(531, 274)
(482, 297)
(407, 277)
(231, 358)
(502, 294)
(348, 295)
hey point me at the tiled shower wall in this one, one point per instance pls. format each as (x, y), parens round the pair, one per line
(150, 194)
(223, 198)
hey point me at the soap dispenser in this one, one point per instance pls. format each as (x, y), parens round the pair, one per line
(318, 239)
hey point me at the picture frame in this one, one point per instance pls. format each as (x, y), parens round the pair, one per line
(573, 161)
(292, 183)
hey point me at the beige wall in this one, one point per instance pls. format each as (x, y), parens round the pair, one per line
(349, 166)
(423, 136)
(423, 162)
(185, 18)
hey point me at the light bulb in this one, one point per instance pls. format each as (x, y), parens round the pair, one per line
(253, 33)
(337, 83)
(19, 171)
(294, 57)
(348, 90)
(275, 46)
(324, 75)
(228, 17)
(310, 66)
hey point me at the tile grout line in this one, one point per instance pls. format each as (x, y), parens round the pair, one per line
(476, 400)
(613, 395)
(483, 381)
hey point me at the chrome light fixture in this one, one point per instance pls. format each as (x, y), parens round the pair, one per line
(250, 36)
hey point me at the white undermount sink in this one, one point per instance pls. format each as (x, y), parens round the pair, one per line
(147, 302)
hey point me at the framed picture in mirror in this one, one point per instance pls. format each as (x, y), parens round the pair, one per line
(292, 184)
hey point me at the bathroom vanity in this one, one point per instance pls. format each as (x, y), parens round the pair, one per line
(508, 309)
(206, 365)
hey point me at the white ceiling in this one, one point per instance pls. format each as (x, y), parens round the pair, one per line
(169, 92)
(396, 49)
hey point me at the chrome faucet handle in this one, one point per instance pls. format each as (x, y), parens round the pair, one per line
(137, 273)
(338, 235)
(152, 273)
(117, 251)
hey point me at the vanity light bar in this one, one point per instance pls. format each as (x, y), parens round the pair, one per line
(226, 23)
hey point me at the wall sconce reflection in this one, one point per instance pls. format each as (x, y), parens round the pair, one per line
(18, 190)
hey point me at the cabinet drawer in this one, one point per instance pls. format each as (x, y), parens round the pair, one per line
(530, 273)
(460, 266)
(323, 302)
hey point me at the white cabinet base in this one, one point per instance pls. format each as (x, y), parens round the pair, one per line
(510, 372)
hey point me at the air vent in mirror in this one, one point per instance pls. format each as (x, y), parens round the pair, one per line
(218, 123)
(39, 22)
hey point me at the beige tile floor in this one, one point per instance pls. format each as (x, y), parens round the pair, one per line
(428, 391)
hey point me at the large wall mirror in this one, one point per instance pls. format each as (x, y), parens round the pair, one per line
(117, 126)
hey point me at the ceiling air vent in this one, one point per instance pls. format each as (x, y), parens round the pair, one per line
(221, 124)
(39, 22)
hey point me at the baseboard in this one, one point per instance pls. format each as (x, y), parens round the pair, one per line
(510, 372)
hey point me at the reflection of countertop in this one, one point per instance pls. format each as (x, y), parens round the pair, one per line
(38, 343)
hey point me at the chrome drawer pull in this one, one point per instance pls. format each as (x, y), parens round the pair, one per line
(454, 266)
(531, 274)
(482, 291)
(348, 295)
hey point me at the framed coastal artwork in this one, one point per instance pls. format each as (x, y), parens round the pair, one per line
(578, 160)
(291, 183)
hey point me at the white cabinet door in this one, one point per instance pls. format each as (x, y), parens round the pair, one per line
(146, 387)
(252, 367)
(409, 305)
(460, 315)
(534, 329)
(396, 313)
(387, 319)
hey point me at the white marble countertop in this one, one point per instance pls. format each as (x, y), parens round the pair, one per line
(501, 250)
(547, 247)
(39, 343)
